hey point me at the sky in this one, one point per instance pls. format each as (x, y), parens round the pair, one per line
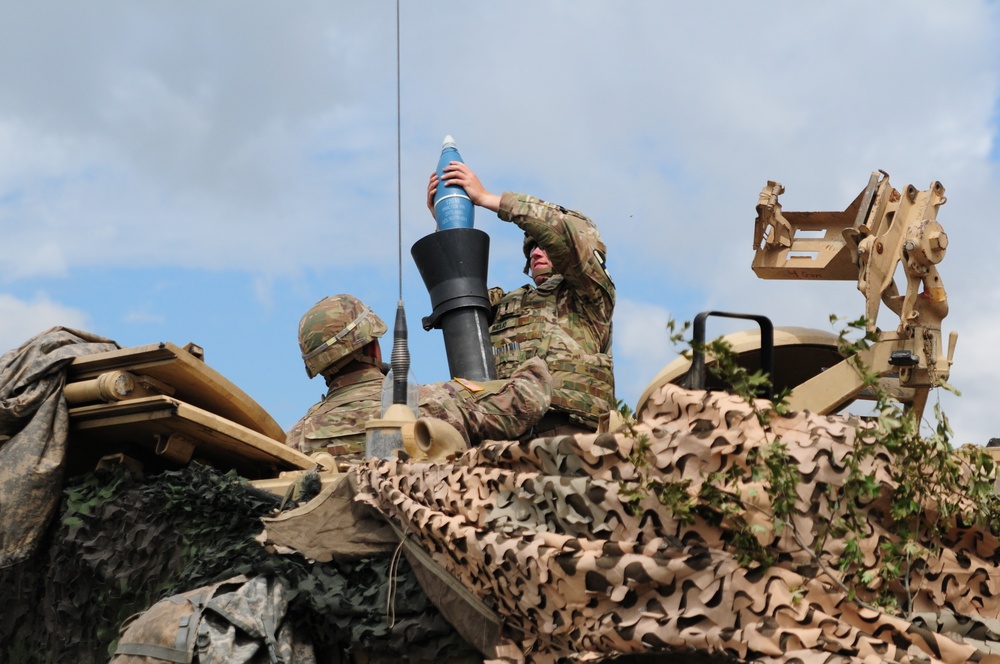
(205, 172)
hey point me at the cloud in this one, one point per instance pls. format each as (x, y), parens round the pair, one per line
(20, 320)
(641, 346)
(118, 136)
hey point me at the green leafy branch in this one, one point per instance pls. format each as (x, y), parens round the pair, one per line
(718, 500)
(932, 489)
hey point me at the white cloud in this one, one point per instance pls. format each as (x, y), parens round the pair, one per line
(641, 346)
(20, 320)
(263, 288)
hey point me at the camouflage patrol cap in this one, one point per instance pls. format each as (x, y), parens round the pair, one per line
(335, 328)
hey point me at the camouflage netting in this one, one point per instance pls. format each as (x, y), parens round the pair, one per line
(542, 533)
(121, 542)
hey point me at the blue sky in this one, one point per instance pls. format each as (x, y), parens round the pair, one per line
(207, 171)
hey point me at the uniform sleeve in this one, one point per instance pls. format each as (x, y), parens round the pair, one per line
(499, 410)
(572, 243)
(293, 438)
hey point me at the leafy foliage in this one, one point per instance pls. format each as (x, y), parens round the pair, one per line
(934, 490)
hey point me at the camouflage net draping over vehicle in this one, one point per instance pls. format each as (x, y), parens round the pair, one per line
(122, 541)
(543, 534)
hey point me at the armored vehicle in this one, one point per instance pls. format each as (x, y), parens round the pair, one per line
(713, 524)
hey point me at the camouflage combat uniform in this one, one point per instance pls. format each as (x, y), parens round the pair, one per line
(493, 410)
(566, 320)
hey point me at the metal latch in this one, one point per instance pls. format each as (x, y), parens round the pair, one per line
(903, 358)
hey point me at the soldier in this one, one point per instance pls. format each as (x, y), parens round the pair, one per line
(565, 317)
(339, 340)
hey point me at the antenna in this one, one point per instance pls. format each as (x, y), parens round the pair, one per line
(400, 358)
(383, 437)
(399, 169)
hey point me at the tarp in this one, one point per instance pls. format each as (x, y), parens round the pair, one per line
(332, 526)
(34, 425)
(544, 533)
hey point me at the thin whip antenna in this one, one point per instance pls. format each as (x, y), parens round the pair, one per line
(399, 167)
(400, 350)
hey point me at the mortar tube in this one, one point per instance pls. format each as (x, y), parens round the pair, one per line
(453, 264)
(467, 344)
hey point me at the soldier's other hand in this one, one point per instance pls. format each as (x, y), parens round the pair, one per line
(432, 187)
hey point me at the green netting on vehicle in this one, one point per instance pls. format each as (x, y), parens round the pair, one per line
(121, 542)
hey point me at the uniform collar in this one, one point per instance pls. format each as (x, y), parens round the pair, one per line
(550, 284)
(363, 375)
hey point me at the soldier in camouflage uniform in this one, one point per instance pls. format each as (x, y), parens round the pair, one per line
(339, 340)
(565, 317)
